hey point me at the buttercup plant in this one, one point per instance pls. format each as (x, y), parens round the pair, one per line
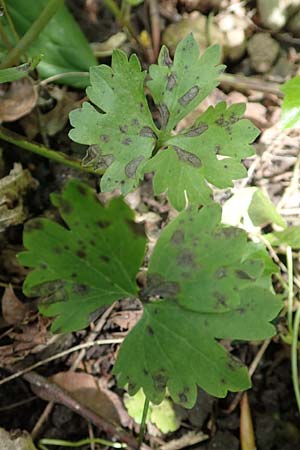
(205, 280)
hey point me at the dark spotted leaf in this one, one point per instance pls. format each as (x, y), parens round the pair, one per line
(210, 151)
(179, 86)
(124, 135)
(205, 282)
(90, 264)
(125, 143)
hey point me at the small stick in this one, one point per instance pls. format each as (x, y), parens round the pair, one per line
(42, 419)
(91, 435)
(17, 404)
(155, 27)
(252, 368)
(91, 338)
(240, 82)
(49, 389)
(59, 355)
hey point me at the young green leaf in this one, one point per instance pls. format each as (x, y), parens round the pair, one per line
(290, 236)
(205, 284)
(125, 143)
(251, 207)
(91, 264)
(290, 114)
(163, 415)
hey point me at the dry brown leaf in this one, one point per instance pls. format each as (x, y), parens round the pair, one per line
(87, 390)
(126, 320)
(17, 99)
(55, 119)
(13, 310)
(26, 339)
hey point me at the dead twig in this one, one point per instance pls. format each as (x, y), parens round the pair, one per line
(59, 355)
(90, 338)
(241, 83)
(155, 27)
(42, 419)
(46, 389)
(252, 368)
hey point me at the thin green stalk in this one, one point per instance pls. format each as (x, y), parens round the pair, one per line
(46, 15)
(114, 8)
(125, 10)
(9, 21)
(143, 422)
(20, 141)
(117, 12)
(59, 76)
(4, 38)
(59, 442)
(289, 261)
(294, 357)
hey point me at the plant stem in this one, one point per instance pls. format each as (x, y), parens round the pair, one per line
(59, 157)
(81, 443)
(4, 38)
(59, 76)
(114, 8)
(33, 32)
(143, 422)
(289, 261)
(294, 357)
(9, 21)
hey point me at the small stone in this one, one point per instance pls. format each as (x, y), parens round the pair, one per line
(275, 13)
(294, 24)
(263, 51)
(195, 23)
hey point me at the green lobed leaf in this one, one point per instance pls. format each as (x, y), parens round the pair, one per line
(62, 43)
(290, 236)
(205, 282)
(122, 137)
(290, 110)
(162, 415)
(91, 264)
(251, 207)
(210, 151)
(178, 87)
(125, 143)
